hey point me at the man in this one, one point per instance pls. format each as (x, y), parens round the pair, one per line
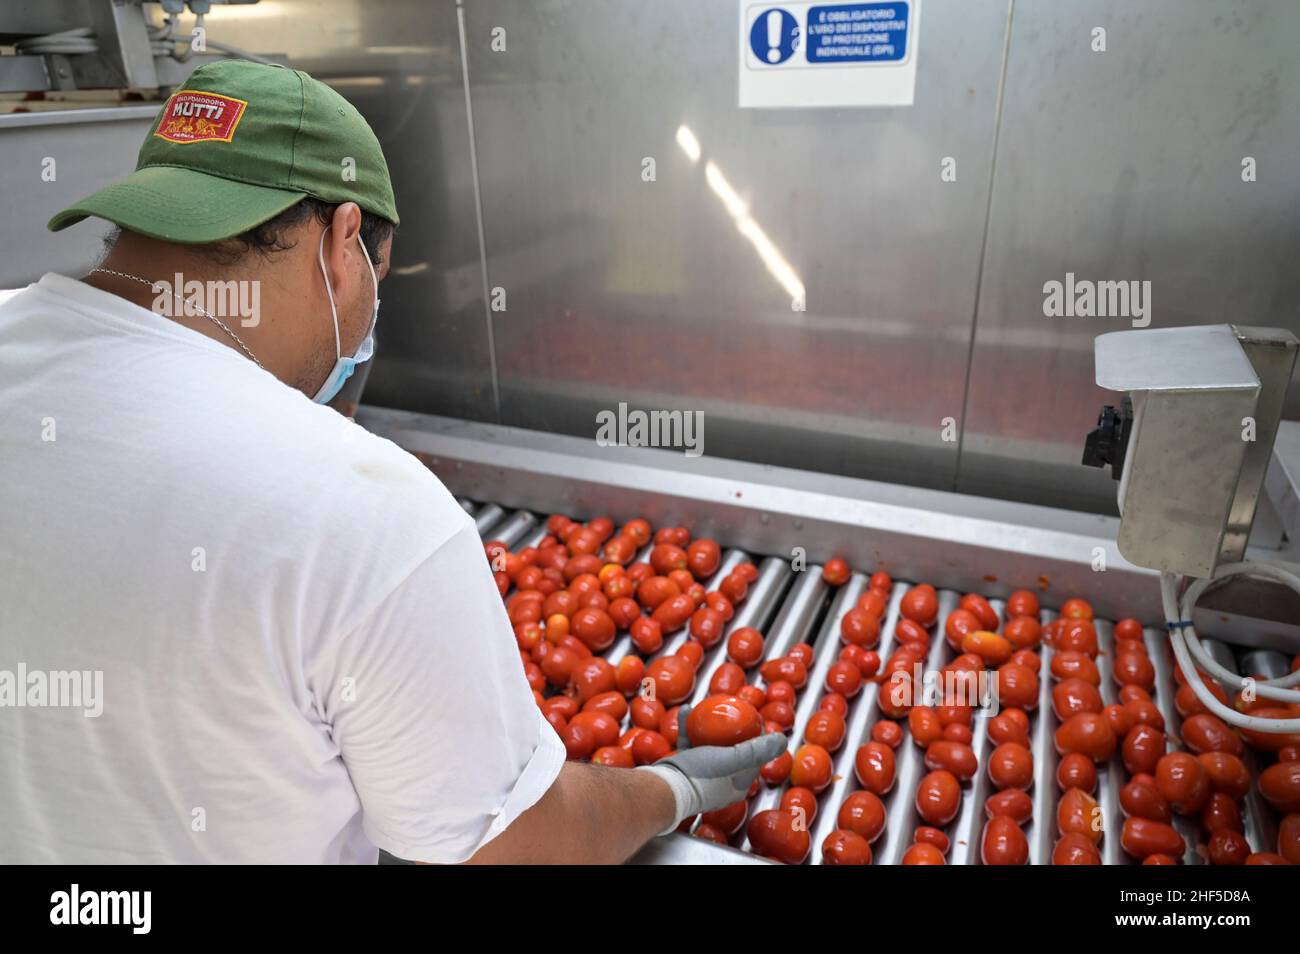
(234, 626)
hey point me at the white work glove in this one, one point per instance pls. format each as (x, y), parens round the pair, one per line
(712, 776)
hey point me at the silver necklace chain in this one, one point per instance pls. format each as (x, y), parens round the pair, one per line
(186, 301)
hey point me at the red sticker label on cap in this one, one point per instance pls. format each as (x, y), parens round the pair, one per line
(195, 116)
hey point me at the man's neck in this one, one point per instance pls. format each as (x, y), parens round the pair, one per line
(169, 280)
(158, 283)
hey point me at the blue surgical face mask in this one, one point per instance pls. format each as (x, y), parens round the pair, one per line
(344, 366)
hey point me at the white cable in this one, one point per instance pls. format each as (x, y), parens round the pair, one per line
(82, 41)
(160, 39)
(1179, 618)
(66, 42)
(1268, 688)
(162, 42)
(1228, 715)
(189, 47)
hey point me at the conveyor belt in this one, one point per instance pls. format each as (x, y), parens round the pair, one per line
(792, 607)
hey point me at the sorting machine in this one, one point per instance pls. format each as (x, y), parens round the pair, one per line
(1177, 386)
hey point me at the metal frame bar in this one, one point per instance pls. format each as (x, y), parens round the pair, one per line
(956, 541)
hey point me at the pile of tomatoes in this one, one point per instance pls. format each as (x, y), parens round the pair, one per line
(945, 730)
(782, 833)
(571, 596)
(1207, 781)
(1088, 731)
(568, 599)
(776, 834)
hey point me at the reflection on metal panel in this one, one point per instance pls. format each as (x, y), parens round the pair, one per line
(684, 292)
(88, 154)
(1126, 165)
(399, 62)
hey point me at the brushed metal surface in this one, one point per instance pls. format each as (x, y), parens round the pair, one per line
(1117, 165)
(1282, 481)
(1181, 472)
(662, 293)
(1272, 352)
(952, 540)
(87, 154)
(1126, 165)
(399, 62)
(971, 544)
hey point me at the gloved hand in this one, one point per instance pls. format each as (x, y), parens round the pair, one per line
(712, 776)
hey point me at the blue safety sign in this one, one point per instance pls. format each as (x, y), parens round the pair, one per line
(774, 36)
(838, 53)
(858, 33)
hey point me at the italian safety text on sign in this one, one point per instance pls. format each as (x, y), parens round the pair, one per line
(828, 54)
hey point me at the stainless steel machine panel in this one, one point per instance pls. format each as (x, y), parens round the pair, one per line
(1126, 165)
(621, 289)
(1117, 165)
(399, 62)
(28, 143)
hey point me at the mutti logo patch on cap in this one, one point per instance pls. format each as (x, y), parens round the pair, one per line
(195, 116)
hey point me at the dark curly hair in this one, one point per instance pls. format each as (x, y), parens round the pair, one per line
(270, 236)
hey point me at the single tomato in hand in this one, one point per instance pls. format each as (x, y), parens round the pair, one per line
(723, 720)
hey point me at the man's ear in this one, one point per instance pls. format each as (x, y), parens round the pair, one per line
(340, 246)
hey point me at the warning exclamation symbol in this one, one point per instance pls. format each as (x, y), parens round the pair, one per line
(774, 36)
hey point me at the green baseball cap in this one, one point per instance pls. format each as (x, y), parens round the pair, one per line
(236, 145)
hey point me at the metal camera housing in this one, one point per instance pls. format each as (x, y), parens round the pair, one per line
(1206, 402)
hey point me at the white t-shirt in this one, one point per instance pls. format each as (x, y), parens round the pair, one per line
(302, 650)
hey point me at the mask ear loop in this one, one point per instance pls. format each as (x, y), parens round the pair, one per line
(320, 257)
(374, 281)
